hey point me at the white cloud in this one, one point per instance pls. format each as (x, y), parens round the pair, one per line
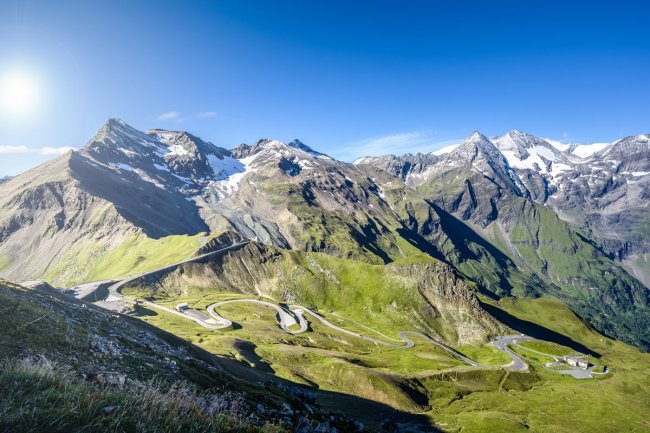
(170, 115)
(55, 150)
(13, 150)
(394, 144)
(18, 150)
(207, 114)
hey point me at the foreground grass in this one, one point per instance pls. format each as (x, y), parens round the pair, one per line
(38, 395)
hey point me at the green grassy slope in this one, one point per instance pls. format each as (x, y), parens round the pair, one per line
(553, 403)
(413, 293)
(514, 246)
(579, 273)
(136, 254)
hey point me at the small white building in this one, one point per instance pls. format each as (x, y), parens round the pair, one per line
(182, 306)
(576, 361)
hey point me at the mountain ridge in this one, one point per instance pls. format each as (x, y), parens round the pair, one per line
(496, 224)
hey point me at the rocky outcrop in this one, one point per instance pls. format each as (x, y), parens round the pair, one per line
(455, 303)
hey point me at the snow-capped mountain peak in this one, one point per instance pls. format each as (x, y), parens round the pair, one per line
(116, 132)
(525, 151)
(475, 146)
(166, 159)
(297, 144)
(633, 144)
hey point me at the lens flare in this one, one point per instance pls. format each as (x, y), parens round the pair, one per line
(19, 93)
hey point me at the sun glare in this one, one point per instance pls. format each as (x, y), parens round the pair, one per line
(19, 93)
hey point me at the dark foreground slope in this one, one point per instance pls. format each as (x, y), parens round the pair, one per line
(68, 366)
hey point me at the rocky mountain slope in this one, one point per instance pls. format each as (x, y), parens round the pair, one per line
(515, 214)
(604, 190)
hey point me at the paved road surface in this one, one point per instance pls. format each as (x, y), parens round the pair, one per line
(502, 343)
(575, 371)
(209, 324)
(295, 315)
(285, 318)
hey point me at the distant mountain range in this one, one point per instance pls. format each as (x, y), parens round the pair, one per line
(516, 214)
(602, 188)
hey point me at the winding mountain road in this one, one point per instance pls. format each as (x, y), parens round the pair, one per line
(293, 316)
(501, 344)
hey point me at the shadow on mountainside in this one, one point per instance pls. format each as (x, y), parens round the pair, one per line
(368, 411)
(158, 212)
(463, 235)
(247, 350)
(536, 331)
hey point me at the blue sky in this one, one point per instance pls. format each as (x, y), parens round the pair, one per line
(348, 78)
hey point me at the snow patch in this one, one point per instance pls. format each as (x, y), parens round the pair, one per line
(183, 178)
(161, 167)
(127, 152)
(230, 184)
(563, 147)
(177, 150)
(306, 164)
(534, 161)
(361, 160)
(120, 166)
(224, 167)
(587, 150)
(444, 150)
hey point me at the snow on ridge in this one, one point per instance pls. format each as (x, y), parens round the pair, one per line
(231, 182)
(587, 150)
(562, 147)
(127, 152)
(306, 164)
(177, 150)
(120, 166)
(361, 160)
(535, 155)
(224, 167)
(637, 173)
(445, 150)
(161, 167)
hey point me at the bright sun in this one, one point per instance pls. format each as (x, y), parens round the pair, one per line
(19, 93)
